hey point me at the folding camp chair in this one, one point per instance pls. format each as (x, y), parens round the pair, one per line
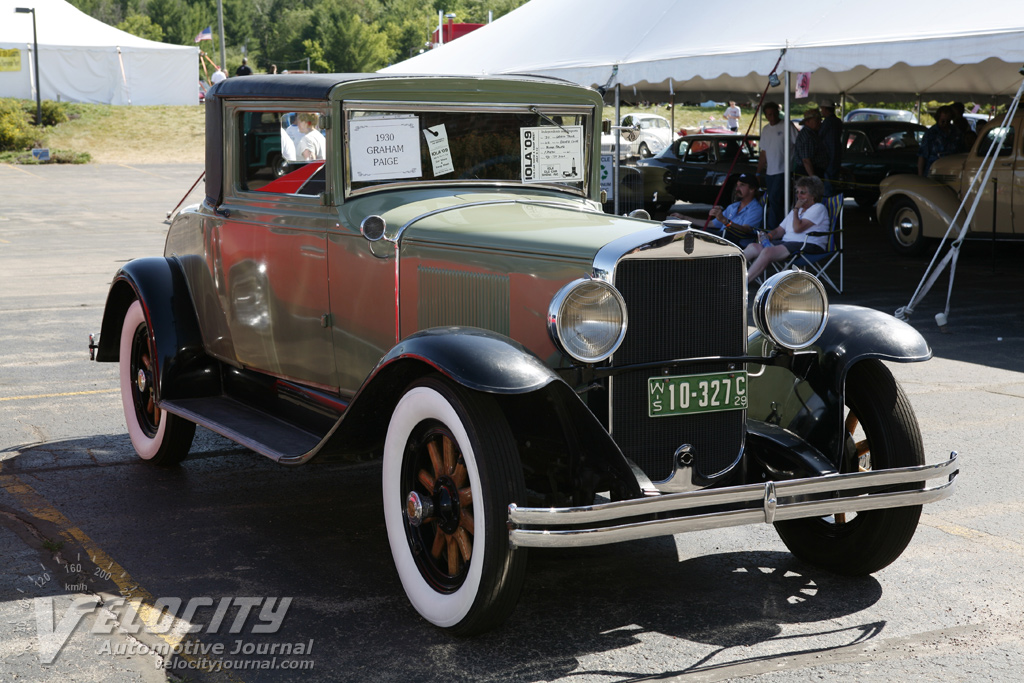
(818, 264)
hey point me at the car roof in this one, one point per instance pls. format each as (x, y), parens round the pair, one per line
(319, 86)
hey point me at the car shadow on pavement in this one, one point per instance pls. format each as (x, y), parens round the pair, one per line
(231, 523)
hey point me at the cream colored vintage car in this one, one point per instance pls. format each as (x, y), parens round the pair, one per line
(915, 209)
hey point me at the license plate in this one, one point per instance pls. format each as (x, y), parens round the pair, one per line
(692, 394)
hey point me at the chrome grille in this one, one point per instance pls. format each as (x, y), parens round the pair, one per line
(678, 308)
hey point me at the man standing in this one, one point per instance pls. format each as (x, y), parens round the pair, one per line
(772, 161)
(811, 158)
(244, 70)
(940, 140)
(732, 117)
(831, 134)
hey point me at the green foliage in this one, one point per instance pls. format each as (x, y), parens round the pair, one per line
(143, 27)
(54, 113)
(15, 132)
(335, 35)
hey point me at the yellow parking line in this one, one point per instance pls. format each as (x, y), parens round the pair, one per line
(141, 599)
(67, 393)
(12, 166)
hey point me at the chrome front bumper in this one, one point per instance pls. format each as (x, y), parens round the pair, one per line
(609, 522)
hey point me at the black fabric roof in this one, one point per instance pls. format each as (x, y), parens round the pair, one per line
(291, 86)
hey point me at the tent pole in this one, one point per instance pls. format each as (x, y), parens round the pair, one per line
(786, 142)
(220, 27)
(618, 150)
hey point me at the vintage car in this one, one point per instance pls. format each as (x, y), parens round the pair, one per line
(443, 293)
(642, 135)
(695, 168)
(914, 210)
(875, 150)
(880, 115)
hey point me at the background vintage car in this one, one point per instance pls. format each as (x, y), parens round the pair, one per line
(443, 293)
(915, 210)
(880, 115)
(653, 133)
(875, 150)
(694, 168)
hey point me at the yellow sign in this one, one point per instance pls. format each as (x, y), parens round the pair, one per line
(10, 60)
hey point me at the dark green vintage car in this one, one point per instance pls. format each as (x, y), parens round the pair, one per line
(442, 292)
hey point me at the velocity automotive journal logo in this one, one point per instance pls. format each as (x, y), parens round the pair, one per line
(169, 619)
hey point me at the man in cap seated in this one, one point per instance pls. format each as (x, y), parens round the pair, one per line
(738, 222)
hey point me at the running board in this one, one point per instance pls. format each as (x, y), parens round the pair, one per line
(253, 428)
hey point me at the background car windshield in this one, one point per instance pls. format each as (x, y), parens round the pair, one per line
(525, 145)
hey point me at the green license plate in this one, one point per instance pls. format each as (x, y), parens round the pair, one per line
(692, 394)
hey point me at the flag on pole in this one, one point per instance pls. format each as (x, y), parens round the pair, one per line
(205, 34)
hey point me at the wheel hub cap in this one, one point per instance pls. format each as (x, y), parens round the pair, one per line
(141, 381)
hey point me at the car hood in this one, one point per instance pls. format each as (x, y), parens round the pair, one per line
(523, 223)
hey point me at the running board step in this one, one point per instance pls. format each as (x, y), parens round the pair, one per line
(250, 427)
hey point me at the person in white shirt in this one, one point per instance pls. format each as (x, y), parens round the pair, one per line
(217, 77)
(732, 117)
(808, 214)
(772, 163)
(312, 144)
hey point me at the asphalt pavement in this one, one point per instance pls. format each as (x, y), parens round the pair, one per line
(83, 522)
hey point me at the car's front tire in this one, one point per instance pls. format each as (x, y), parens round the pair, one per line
(645, 151)
(904, 225)
(454, 454)
(882, 433)
(157, 436)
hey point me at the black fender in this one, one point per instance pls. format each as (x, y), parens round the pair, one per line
(540, 406)
(807, 397)
(182, 367)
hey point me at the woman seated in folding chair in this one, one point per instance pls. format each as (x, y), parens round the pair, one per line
(808, 214)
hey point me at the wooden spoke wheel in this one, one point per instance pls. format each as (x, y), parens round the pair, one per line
(157, 436)
(451, 468)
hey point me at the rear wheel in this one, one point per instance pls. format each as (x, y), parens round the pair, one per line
(882, 433)
(451, 469)
(158, 436)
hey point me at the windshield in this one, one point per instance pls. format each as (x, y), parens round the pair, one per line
(523, 144)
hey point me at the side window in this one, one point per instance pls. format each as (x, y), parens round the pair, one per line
(857, 142)
(699, 152)
(1005, 149)
(281, 152)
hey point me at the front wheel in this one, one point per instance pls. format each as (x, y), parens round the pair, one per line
(904, 226)
(645, 151)
(451, 469)
(158, 436)
(882, 433)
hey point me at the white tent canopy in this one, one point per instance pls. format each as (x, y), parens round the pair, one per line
(82, 59)
(872, 49)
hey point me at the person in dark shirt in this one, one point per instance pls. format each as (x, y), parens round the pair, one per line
(811, 158)
(831, 134)
(244, 70)
(940, 140)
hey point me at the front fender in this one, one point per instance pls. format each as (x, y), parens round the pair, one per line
(182, 367)
(936, 202)
(558, 434)
(807, 398)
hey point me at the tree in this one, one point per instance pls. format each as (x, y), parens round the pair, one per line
(142, 26)
(344, 42)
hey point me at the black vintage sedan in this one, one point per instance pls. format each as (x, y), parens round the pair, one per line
(875, 150)
(694, 168)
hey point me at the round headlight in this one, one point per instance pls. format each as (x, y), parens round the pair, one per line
(587, 319)
(791, 309)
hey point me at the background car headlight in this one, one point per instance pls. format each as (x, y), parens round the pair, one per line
(791, 309)
(587, 319)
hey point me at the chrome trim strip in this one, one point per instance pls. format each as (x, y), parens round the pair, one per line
(770, 510)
